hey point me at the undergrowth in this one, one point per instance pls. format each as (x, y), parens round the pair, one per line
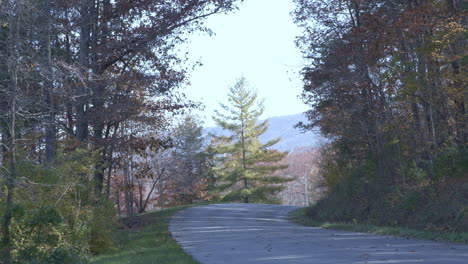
(300, 216)
(145, 238)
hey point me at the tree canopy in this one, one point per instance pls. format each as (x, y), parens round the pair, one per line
(86, 79)
(386, 82)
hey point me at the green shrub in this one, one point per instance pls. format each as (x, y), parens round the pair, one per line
(56, 218)
(41, 235)
(103, 227)
(449, 163)
(416, 174)
(440, 207)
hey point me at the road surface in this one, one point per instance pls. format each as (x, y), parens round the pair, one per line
(255, 233)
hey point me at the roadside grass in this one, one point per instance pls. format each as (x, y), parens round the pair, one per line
(145, 238)
(299, 216)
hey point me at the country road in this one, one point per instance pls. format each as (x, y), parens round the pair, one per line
(254, 233)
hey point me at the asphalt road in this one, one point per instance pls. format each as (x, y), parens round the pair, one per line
(254, 233)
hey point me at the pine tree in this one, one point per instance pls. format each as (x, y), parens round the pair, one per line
(190, 161)
(244, 166)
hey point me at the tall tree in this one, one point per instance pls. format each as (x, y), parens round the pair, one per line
(396, 97)
(305, 187)
(395, 106)
(245, 166)
(190, 162)
(14, 20)
(126, 54)
(73, 75)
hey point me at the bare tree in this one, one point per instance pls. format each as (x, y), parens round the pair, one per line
(152, 176)
(13, 16)
(305, 189)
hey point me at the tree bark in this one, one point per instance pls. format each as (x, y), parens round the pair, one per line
(50, 127)
(13, 85)
(83, 57)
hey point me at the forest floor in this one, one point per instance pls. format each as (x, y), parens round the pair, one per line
(299, 216)
(145, 239)
(260, 233)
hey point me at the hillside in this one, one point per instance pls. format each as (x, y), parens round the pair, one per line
(283, 126)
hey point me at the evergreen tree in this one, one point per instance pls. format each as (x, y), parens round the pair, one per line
(189, 159)
(244, 166)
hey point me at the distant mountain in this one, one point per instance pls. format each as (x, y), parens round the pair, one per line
(283, 127)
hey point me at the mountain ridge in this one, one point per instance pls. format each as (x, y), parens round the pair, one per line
(283, 127)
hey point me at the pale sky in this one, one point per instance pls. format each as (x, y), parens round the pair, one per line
(257, 41)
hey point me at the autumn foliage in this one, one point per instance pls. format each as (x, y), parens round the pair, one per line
(386, 82)
(86, 76)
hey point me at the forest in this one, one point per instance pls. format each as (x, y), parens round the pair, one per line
(386, 82)
(87, 97)
(94, 125)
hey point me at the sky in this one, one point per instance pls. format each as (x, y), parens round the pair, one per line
(256, 41)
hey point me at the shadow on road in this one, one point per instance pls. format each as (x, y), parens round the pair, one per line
(253, 233)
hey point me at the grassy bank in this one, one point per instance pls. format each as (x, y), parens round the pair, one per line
(300, 216)
(145, 239)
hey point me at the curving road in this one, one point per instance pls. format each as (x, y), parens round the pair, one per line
(257, 233)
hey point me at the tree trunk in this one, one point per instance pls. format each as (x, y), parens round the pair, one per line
(161, 193)
(11, 176)
(110, 161)
(244, 158)
(117, 200)
(50, 128)
(10, 183)
(83, 57)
